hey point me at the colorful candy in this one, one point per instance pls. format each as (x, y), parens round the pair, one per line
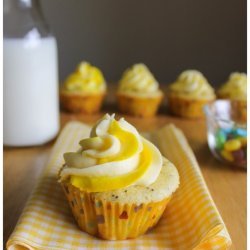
(239, 155)
(231, 144)
(241, 132)
(227, 155)
(243, 141)
(220, 139)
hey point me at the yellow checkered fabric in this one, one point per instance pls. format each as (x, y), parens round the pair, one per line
(191, 220)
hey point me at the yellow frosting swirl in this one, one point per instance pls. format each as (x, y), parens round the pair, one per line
(113, 157)
(235, 88)
(86, 78)
(138, 79)
(192, 84)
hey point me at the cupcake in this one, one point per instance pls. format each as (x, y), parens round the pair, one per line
(138, 92)
(83, 90)
(189, 93)
(117, 184)
(235, 89)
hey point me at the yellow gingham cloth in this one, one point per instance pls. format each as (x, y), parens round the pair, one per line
(191, 220)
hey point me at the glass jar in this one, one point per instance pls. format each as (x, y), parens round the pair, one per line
(226, 135)
(30, 76)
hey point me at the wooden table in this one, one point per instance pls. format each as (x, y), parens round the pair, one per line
(22, 166)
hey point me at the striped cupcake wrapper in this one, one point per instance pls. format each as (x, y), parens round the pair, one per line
(112, 220)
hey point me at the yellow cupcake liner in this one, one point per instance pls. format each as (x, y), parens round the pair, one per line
(112, 220)
(139, 106)
(240, 110)
(77, 103)
(188, 108)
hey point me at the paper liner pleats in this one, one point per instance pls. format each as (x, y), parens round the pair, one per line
(138, 106)
(184, 107)
(78, 103)
(240, 110)
(112, 220)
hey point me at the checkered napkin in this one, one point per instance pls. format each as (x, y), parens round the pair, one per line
(191, 220)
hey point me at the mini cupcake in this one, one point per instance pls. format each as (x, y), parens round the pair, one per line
(189, 93)
(117, 184)
(235, 89)
(84, 90)
(138, 93)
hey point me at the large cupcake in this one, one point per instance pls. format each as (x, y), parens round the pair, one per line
(84, 90)
(138, 93)
(117, 183)
(189, 93)
(235, 89)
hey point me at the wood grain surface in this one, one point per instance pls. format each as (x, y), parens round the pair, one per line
(227, 185)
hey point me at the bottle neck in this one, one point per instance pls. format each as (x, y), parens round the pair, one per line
(22, 16)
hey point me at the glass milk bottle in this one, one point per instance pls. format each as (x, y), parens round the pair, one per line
(30, 76)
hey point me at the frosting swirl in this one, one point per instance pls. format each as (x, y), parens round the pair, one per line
(113, 157)
(235, 88)
(86, 78)
(192, 84)
(138, 79)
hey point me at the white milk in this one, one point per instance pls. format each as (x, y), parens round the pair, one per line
(30, 91)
